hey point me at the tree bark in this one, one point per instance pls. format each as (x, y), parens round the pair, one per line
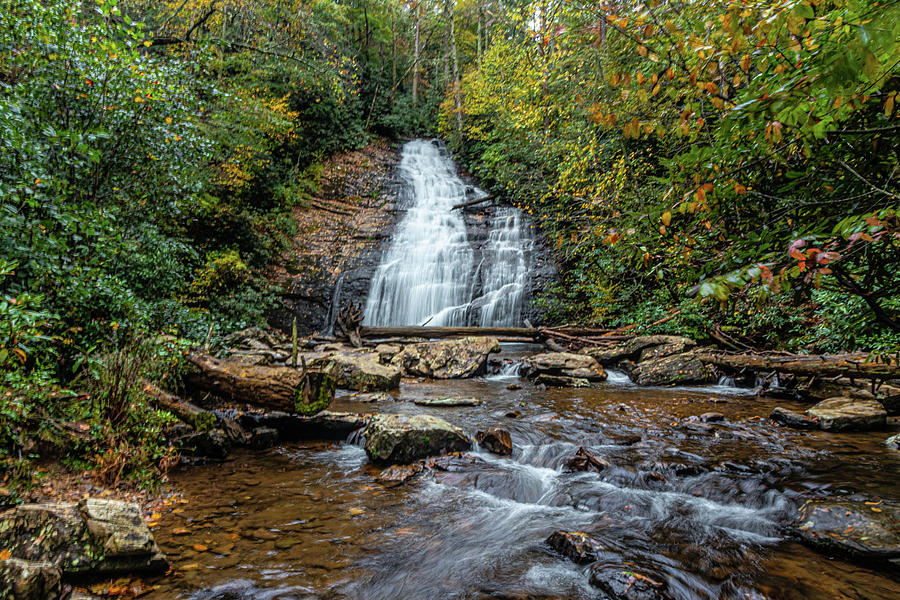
(859, 365)
(284, 388)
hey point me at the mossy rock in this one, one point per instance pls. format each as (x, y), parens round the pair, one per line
(316, 394)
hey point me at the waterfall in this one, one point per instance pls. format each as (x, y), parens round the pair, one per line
(433, 273)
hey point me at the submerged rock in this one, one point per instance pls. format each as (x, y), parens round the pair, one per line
(678, 369)
(448, 402)
(29, 580)
(446, 359)
(848, 414)
(793, 419)
(95, 537)
(495, 440)
(856, 529)
(623, 581)
(405, 438)
(577, 546)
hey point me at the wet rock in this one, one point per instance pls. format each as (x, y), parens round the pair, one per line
(28, 580)
(214, 444)
(372, 397)
(855, 529)
(264, 437)
(678, 369)
(513, 387)
(893, 442)
(848, 414)
(712, 417)
(621, 581)
(562, 367)
(645, 347)
(668, 349)
(793, 419)
(577, 546)
(583, 460)
(448, 402)
(889, 396)
(513, 414)
(95, 537)
(818, 389)
(359, 370)
(254, 358)
(398, 474)
(495, 440)
(387, 351)
(446, 359)
(561, 381)
(405, 438)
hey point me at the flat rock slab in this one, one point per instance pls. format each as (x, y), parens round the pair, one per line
(405, 438)
(848, 414)
(855, 529)
(359, 370)
(448, 402)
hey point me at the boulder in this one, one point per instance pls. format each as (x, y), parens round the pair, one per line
(29, 580)
(793, 419)
(584, 460)
(893, 442)
(359, 370)
(495, 440)
(405, 438)
(386, 352)
(214, 444)
(626, 581)
(326, 425)
(677, 369)
(95, 537)
(561, 381)
(448, 402)
(446, 359)
(577, 546)
(645, 347)
(398, 474)
(848, 414)
(821, 388)
(854, 529)
(889, 396)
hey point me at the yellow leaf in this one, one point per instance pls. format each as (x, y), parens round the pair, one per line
(200, 548)
(5, 554)
(745, 63)
(889, 106)
(667, 218)
(356, 511)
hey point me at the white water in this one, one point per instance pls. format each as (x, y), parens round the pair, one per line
(429, 275)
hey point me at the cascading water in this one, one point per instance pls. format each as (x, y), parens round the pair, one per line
(429, 275)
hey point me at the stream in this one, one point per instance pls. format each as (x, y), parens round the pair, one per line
(701, 506)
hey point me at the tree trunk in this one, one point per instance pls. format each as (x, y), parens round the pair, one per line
(456, 83)
(196, 417)
(859, 365)
(284, 388)
(415, 81)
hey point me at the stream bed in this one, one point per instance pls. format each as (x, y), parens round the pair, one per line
(702, 506)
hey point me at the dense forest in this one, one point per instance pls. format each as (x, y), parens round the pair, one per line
(723, 170)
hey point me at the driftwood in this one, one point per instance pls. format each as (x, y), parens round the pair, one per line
(284, 388)
(193, 415)
(349, 319)
(861, 365)
(472, 202)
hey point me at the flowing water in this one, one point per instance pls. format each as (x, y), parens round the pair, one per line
(433, 274)
(701, 507)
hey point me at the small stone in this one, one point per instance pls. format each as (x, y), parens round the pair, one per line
(513, 387)
(583, 460)
(577, 546)
(495, 440)
(893, 442)
(848, 414)
(793, 419)
(397, 474)
(712, 417)
(373, 397)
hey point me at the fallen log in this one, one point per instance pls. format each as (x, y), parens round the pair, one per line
(860, 364)
(302, 391)
(447, 332)
(193, 415)
(472, 202)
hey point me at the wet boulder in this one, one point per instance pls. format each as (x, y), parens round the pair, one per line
(387, 351)
(848, 414)
(495, 440)
(584, 460)
(29, 580)
(677, 369)
(561, 381)
(93, 538)
(643, 347)
(577, 546)
(893, 442)
(405, 438)
(359, 370)
(789, 418)
(565, 366)
(621, 581)
(446, 359)
(855, 529)
(398, 474)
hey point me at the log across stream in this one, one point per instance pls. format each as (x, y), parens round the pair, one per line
(699, 505)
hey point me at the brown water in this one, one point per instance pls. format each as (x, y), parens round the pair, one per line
(702, 507)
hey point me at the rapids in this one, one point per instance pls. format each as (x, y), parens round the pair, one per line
(701, 506)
